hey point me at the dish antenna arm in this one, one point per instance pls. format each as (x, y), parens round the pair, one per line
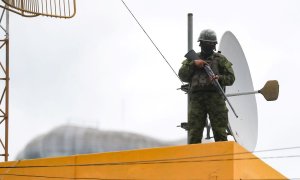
(270, 91)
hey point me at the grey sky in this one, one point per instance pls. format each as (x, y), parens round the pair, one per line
(99, 68)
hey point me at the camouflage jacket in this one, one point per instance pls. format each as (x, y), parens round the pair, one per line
(224, 70)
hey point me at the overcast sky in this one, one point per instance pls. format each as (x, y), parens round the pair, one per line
(99, 69)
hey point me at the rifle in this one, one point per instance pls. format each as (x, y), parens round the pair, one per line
(192, 55)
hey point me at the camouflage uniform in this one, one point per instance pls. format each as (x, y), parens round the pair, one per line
(204, 98)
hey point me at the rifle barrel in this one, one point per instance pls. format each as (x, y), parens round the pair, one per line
(217, 84)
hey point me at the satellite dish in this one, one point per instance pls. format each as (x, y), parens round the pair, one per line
(244, 128)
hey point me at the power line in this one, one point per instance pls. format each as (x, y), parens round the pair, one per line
(269, 179)
(161, 161)
(172, 160)
(175, 160)
(167, 161)
(75, 178)
(276, 149)
(151, 40)
(57, 177)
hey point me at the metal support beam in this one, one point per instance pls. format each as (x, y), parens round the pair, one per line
(4, 83)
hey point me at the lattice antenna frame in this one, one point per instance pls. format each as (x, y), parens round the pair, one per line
(26, 8)
(50, 8)
(4, 83)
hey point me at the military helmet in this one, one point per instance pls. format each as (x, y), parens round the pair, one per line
(208, 35)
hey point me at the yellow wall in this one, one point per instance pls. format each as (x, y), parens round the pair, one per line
(199, 161)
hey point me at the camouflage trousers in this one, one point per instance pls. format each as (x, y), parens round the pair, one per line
(202, 105)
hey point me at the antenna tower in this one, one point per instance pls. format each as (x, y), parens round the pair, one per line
(25, 8)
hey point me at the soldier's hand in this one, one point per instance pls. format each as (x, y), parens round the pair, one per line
(215, 77)
(200, 63)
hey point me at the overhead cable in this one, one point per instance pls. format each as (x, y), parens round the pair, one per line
(167, 161)
(78, 178)
(151, 40)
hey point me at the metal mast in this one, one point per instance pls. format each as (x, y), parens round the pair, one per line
(190, 47)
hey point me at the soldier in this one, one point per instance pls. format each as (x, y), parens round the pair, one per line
(204, 98)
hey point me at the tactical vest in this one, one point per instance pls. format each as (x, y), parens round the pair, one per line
(200, 79)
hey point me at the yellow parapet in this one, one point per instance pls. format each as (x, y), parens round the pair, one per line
(221, 160)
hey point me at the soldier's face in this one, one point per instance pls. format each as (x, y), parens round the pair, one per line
(207, 47)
